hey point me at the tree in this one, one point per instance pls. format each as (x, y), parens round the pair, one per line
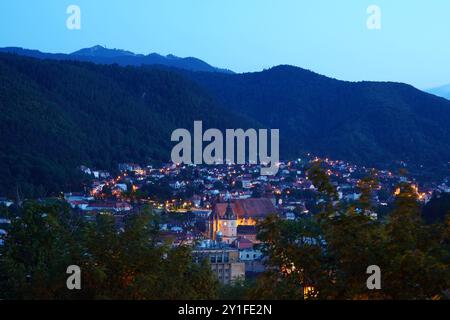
(131, 264)
(294, 258)
(367, 187)
(326, 257)
(42, 242)
(417, 267)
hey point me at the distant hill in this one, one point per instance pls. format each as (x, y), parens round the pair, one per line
(443, 91)
(57, 115)
(102, 55)
(371, 123)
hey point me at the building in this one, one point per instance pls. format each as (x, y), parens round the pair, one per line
(224, 261)
(6, 202)
(248, 211)
(253, 259)
(248, 232)
(108, 206)
(225, 224)
(201, 213)
(4, 224)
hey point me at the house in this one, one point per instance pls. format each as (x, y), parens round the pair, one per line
(289, 215)
(176, 229)
(177, 185)
(121, 186)
(101, 174)
(80, 204)
(123, 206)
(6, 202)
(97, 206)
(224, 261)
(247, 232)
(196, 200)
(129, 167)
(253, 259)
(3, 224)
(108, 206)
(248, 211)
(201, 213)
(86, 170)
(246, 184)
(243, 243)
(250, 254)
(77, 196)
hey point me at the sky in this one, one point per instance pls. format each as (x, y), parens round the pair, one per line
(330, 37)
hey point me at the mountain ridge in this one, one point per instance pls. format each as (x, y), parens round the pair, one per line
(102, 55)
(365, 122)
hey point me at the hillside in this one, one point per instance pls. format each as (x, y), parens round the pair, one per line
(57, 115)
(372, 123)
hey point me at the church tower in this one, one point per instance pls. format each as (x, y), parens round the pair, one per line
(213, 224)
(228, 225)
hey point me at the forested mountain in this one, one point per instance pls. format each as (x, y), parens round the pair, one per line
(373, 123)
(57, 115)
(102, 55)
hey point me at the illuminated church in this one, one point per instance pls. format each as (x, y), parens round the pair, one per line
(227, 218)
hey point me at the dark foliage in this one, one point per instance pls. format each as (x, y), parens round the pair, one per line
(57, 115)
(373, 123)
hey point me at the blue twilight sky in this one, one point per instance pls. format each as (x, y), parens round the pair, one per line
(327, 36)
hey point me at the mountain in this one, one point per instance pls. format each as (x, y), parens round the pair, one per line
(102, 52)
(58, 115)
(102, 55)
(443, 91)
(371, 123)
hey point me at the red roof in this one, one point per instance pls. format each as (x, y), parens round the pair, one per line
(242, 243)
(248, 208)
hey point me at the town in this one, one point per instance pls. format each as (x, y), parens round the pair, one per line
(215, 209)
